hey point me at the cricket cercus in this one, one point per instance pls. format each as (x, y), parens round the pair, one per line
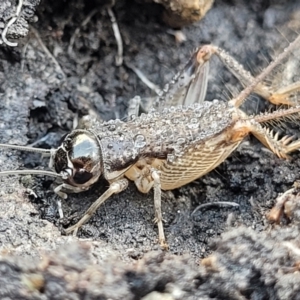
(169, 147)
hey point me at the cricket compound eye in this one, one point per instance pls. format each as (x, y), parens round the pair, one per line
(79, 159)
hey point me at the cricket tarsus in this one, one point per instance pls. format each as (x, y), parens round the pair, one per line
(170, 147)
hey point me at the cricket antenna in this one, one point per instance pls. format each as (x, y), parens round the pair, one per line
(30, 172)
(47, 152)
(26, 148)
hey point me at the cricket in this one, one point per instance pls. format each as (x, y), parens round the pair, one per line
(180, 139)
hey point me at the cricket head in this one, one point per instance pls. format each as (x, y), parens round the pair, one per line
(77, 160)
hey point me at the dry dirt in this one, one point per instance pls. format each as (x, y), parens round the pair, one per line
(47, 82)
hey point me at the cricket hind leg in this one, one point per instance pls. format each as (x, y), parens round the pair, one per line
(280, 146)
(277, 211)
(277, 97)
(286, 205)
(285, 95)
(270, 139)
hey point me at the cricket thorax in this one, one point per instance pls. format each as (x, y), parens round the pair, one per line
(160, 135)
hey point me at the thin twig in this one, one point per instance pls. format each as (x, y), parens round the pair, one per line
(10, 22)
(23, 56)
(219, 203)
(178, 34)
(143, 78)
(77, 31)
(49, 54)
(115, 27)
(59, 208)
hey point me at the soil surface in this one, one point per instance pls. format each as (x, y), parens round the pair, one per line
(64, 69)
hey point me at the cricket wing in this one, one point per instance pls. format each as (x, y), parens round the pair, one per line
(187, 87)
(195, 163)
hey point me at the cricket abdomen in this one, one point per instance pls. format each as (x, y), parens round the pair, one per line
(195, 163)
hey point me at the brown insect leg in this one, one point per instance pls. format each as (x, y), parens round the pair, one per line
(114, 188)
(278, 97)
(281, 147)
(257, 81)
(270, 139)
(146, 177)
(237, 69)
(157, 206)
(68, 188)
(205, 53)
(282, 96)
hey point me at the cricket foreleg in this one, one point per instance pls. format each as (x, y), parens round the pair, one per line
(62, 194)
(114, 188)
(65, 188)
